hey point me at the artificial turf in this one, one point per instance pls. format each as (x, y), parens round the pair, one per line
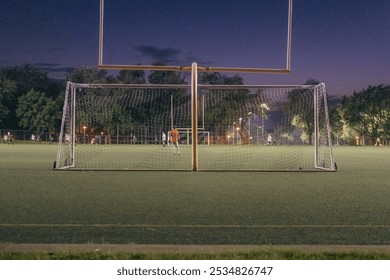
(347, 207)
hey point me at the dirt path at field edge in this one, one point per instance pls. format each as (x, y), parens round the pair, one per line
(185, 249)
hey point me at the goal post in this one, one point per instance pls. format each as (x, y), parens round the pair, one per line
(322, 133)
(246, 127)
(287, 28)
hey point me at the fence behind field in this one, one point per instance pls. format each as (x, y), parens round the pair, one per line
(24, 135)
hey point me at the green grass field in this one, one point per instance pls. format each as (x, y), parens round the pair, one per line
(345, 208)
(210, 157)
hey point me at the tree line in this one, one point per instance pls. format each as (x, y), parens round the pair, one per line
(30, 100)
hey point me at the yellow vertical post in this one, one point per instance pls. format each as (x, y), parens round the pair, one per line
(194, 115)
(289, 32)
(101, 27)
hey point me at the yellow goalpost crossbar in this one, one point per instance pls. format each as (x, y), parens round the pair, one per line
(286, 70)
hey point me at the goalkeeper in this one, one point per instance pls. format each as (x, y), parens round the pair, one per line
(175, 140)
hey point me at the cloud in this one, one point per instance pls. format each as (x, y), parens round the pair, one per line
(164, 55)
(42, 64)
(170, 56)
(53, 67)
(54, 49)
(54, 70)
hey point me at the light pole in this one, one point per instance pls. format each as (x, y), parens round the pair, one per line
(249, 125)
(234, 124)
(238, 128)
(227, 134)
(262, 130)
(263, 107)
(84, 139)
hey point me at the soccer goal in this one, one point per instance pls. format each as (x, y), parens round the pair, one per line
(266, 127)
(232, 127)
(186, 136)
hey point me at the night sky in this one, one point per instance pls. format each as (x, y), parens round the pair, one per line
(345, 44)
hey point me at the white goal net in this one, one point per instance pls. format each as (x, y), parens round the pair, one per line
(122, 127)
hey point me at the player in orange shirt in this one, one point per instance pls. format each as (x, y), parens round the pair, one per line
(175, 140)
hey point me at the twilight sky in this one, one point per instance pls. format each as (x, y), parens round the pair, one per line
(344, 43)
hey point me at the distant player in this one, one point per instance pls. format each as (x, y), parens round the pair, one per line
(10, 138)
(67, 138)
(164, 139)
(175, 140)
(269, 139)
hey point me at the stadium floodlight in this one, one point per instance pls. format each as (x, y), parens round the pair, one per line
(264, 106)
